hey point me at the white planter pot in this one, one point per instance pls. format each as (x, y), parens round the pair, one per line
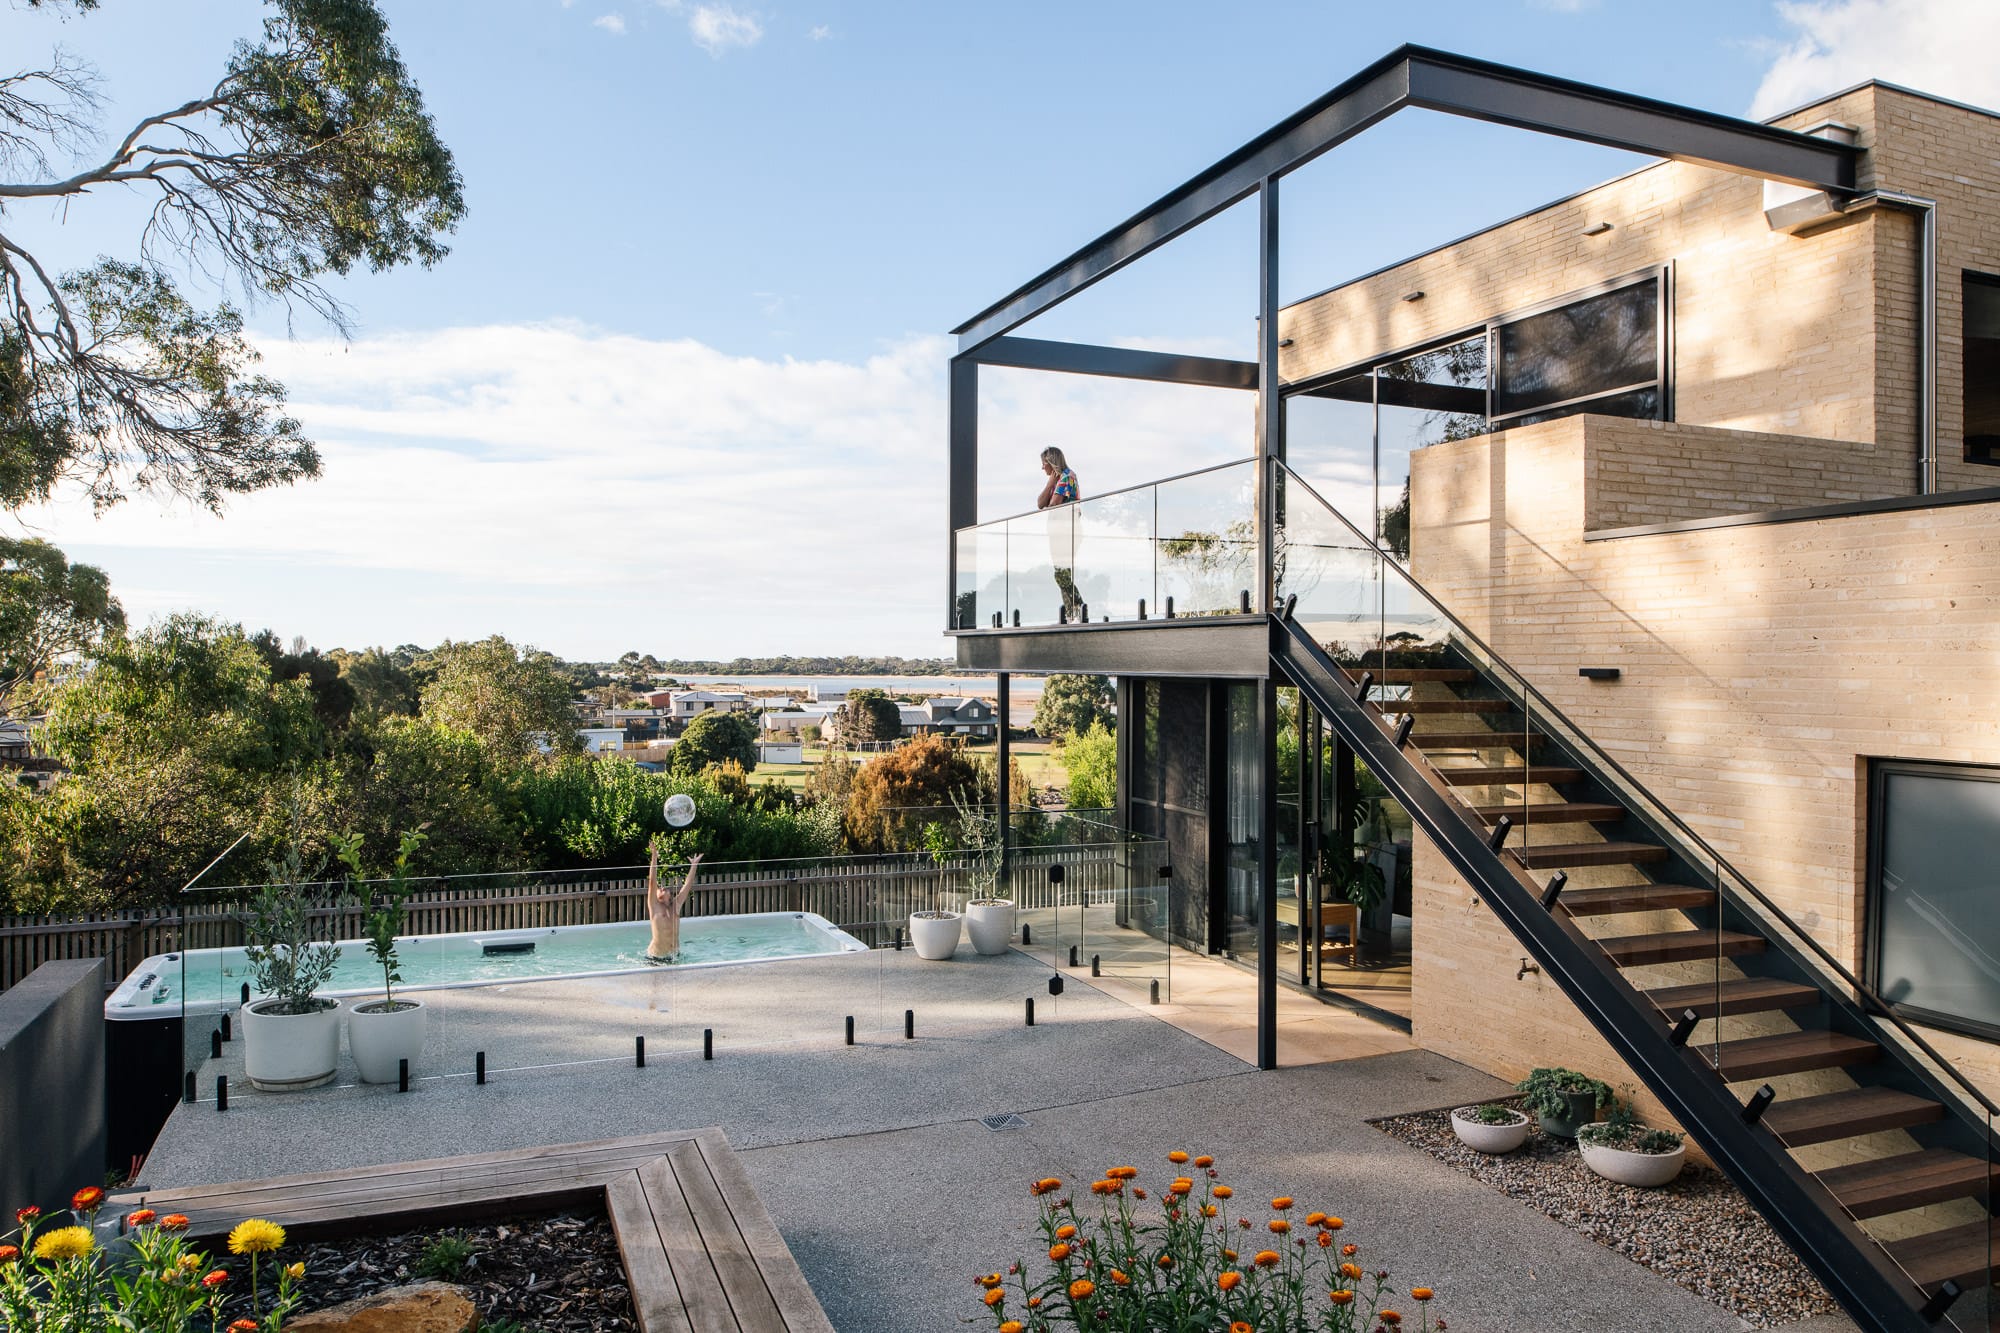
(286, 1052)
(380, 1038)
(935, 934)
(1645, 1170)
(990, 923)
(1494, 1139)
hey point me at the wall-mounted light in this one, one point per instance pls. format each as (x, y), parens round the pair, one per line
(1413, 296)
(1284, 342)
(1597, 229)
(1598, 673)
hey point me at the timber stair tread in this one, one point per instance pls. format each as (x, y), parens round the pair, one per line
(1639, 898)
(1846, 1115)
(1788, 1053)
(1677, 946)
(1509, 773)
(1961, 1254)
(1441, 705)
(1472, 740)
(1588, 854)
(1553, 812)
(1742, 995)
(1909, 1180)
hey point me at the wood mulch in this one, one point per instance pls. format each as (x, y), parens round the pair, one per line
(554, 1273)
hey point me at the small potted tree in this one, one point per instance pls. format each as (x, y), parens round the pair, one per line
(1622, 1149)
(1491, 1128)
(989, 918)
(291, 1034)
(383, 1033)
(1563, 1099)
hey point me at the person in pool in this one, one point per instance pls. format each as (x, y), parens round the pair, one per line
(665, 909)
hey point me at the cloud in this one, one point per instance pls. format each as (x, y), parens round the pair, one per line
(1564, 6)
(1938, 46)
(820, 32)
(717, 28)
(592, 491)
(614, 23)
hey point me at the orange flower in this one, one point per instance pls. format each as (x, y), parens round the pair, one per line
(1229, 1255)
(26, 1215)
(215, 1279)
(140, 1218)
(1034, 1302)
(1390, 1317)
(1047, 1186)
(1238, 1326)
(1282, 1202)
(1229, 1279)
(1119, 1277)
(1350, 1270)
(1326, 1240)
(86, 1198)
(990, 1280)
(1314, 1219)
(1421, 1293)
(1223, 1191)
(1065, 1232)
(1350, 1250)
(1341, 1297)
(1177, 1157)
(1208, 1210)
(993, 1297)
(1097, 1186)
(1181, 1185)
(1334, 1224)
(1058, 1251)
(243, 1326)
(1013, 1326)
(1204, 1162)
(1116, 1186)
(175, 1222)
(1279, 1225)
(1081, 1288)
(1121, 1173)
(1165, 1261)
(9, 1253)
(1266, 1259)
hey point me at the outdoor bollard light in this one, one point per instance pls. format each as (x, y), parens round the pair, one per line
(215, 1043)
(188, 1089)
(708, 1043)
(222, 1092)
(850, 1029)
(225, 1027)
(1097, 965)
(1073, 961)
(639, 1052)
(1142, 608)
(403, 1074)
(1156, 992)
(479, 1068)
(909, 1025)
(1031, 1011)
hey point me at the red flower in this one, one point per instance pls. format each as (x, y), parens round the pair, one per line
(215, 1279)
(27, 1215)
(243, 1326)
(9, 1253)
(86, 1198)
(140, 1218)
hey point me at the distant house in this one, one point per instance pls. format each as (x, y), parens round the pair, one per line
(641, 726)
(950, 715)
(812, 715)
(686, 705)
(601, 740)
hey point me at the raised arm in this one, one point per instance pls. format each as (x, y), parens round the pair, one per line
(1048, 491)
(687, 885)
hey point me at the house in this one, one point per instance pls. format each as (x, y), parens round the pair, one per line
(601, 740)
(640, 726)
(950, 716)
(686, 705)
(1594, 631)
(791, 720)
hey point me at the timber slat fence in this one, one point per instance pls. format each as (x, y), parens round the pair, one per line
(869, 897)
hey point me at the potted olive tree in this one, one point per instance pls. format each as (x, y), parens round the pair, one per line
(291, 1034)
(1563, 1099)
(989, 918)
(383, 1033)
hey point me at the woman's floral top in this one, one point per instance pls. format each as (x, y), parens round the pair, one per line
(1065, 492)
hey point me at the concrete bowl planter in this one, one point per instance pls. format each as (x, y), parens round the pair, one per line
(1494, 1139)
(990, 923)
(380, 1038)
(935, 934)
(1623, 1155)
(287, 1052)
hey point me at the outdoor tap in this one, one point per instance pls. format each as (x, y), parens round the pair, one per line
(1527, 967)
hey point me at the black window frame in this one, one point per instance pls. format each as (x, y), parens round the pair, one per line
(1878, 788)
(1983, 455)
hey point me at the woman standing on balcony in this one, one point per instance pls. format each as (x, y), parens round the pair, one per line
(1060, 489)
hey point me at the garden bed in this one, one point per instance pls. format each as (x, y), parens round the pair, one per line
(1699, 1230)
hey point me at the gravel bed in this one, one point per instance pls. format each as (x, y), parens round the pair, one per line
(557, 1273)
(1698, 1230)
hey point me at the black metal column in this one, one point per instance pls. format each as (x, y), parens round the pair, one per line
(1002, 788)
(962, 472)
(1267, 874)
(1270, 403)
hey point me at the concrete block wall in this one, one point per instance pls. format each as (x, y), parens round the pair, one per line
(52, 1085)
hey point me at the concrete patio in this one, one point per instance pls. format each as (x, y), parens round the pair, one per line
(874, 1160)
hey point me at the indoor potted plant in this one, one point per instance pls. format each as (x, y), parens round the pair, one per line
(1491, 1128)
(291, 1034)
(1628, 1152)
(1563, 1099)
(382, 1033)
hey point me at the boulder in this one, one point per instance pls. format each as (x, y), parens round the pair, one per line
(422, 1307)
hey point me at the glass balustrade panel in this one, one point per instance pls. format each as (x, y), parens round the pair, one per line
(1113, 553)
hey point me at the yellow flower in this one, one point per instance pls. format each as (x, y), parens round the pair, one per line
(254, 1235)
(296, 1272)
(994, 1295)
(64, 1243)
(1081, 1288)
(190, 1262)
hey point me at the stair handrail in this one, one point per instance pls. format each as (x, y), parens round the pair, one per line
(1875, 1005)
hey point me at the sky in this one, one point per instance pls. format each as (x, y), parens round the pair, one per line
(679, 387)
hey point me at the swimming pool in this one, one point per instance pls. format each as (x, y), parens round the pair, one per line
(207, 981)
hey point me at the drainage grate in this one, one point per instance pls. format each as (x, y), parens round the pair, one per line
(1000, 1122)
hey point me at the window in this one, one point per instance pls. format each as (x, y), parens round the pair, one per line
(1933, 887)
(1982, 368)
(1599, 354)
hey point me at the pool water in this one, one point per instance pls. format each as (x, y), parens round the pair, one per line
(205, 977)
